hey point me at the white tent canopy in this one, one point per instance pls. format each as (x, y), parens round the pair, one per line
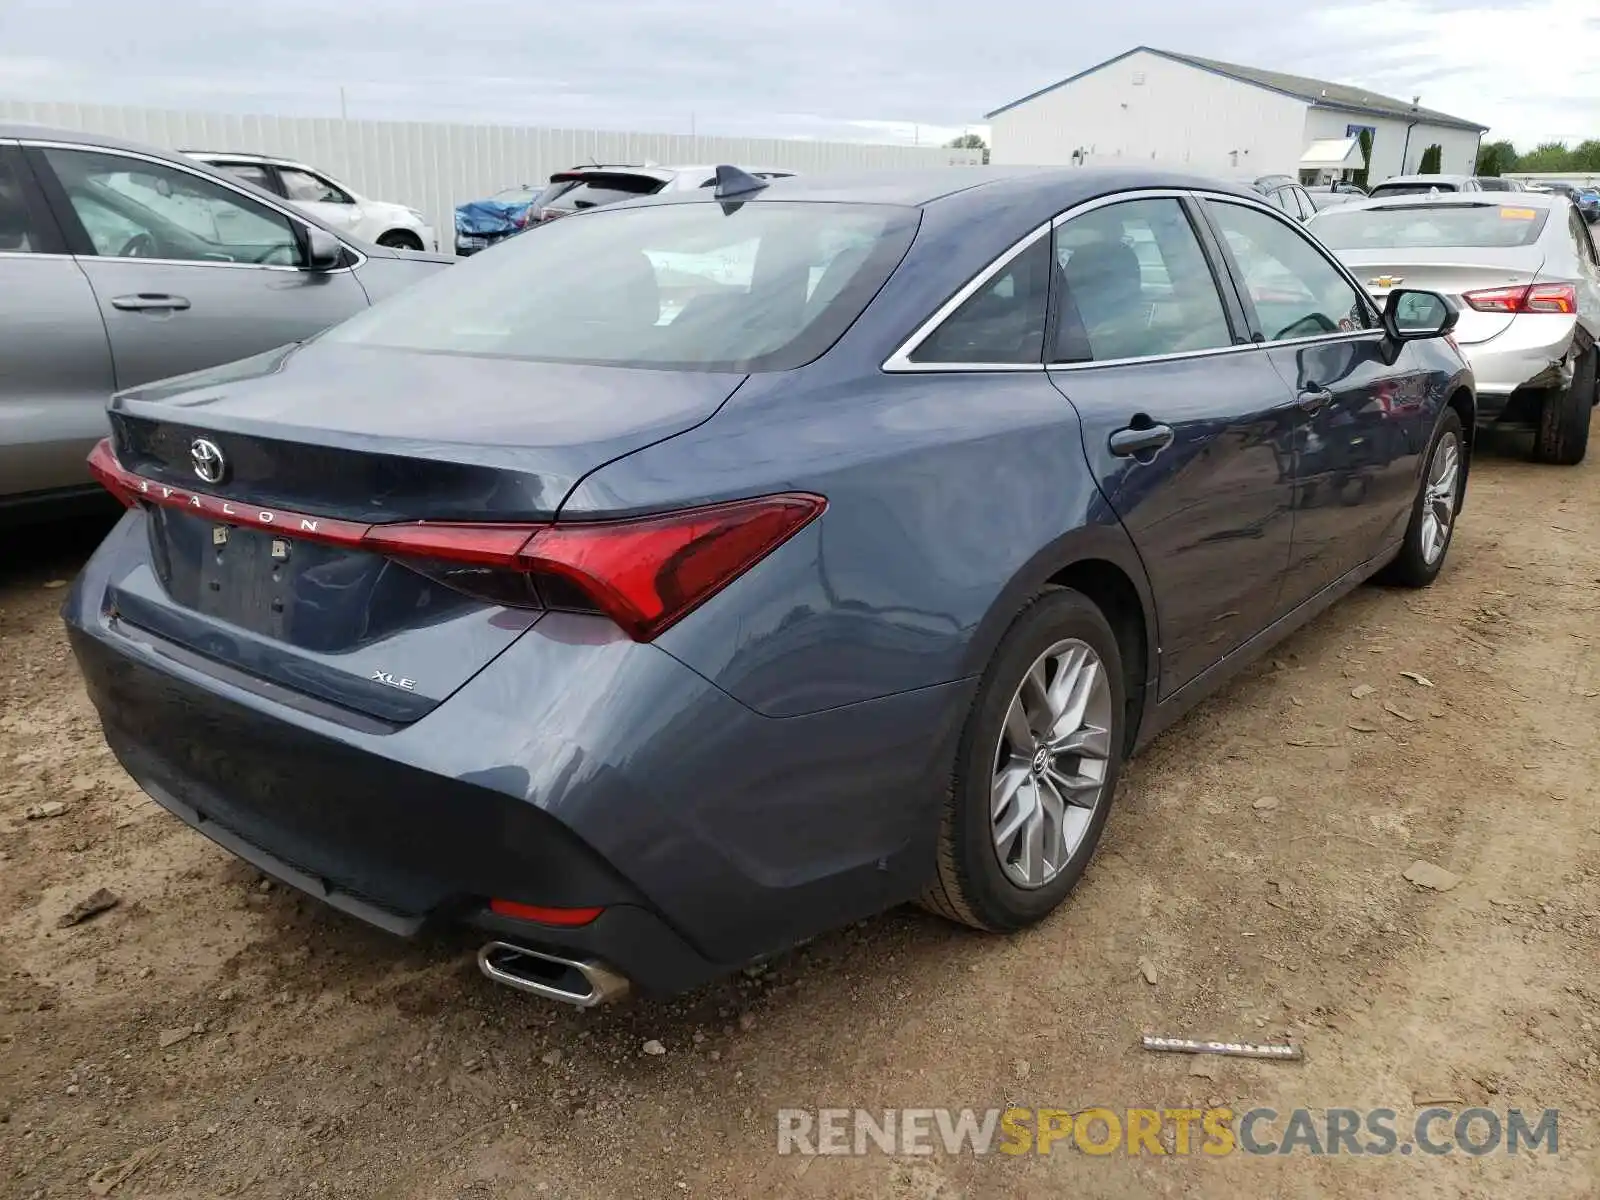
(1332, 154)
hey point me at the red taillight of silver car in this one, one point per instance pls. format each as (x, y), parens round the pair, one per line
(1526, 298)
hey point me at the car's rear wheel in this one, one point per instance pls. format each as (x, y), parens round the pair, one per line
(1036, 768)
(400, 239)
(1433, 513)
(1563, 434)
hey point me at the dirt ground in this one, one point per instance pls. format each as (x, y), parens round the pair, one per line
(213, 1035)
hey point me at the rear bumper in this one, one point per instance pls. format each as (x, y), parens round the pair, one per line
(577, 769)
(1531, 352)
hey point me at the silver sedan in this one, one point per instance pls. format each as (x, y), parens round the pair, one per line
(121, 265)
(1523, 269)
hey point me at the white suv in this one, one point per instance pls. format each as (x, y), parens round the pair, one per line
(394, 225)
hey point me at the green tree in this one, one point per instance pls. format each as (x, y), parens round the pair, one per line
(1366, 158)
(1586, 155)
(1431, 158)
(1496, 158)
(1547, 156)
(969, 141)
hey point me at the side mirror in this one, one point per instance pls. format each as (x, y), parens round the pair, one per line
(324, 252)
(1410, 316)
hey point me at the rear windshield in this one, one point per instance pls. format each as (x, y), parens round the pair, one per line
(1419, 226)
(595, 190)
(764, 286)
(1410, 189)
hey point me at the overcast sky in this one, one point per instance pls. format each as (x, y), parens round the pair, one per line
(879, 70)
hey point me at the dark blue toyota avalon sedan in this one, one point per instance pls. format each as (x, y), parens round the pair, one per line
(692, 575)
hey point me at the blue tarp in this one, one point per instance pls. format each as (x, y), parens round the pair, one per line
(483, 218)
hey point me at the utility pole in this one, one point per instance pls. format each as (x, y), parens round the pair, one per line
(344, 114)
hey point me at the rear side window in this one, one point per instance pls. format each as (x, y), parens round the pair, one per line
(761, 286)
(1500, 224)
(1135, 283)
(1002, 322)
(596, 190)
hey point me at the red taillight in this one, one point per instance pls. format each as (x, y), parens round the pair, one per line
(475, 545)
(568, 917)
(647, 573)
(1527, 298)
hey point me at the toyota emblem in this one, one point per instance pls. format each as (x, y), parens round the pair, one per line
(207, 459)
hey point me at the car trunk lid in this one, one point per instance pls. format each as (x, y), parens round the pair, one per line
(266, 483)
(1449, 271)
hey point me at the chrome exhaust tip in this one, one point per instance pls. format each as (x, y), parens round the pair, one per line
(583, 983)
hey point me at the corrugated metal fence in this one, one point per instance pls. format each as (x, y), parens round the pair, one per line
(434, 167)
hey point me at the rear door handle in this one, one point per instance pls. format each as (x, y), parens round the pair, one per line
(1314, 398)
(150, 302)
(1133, 441)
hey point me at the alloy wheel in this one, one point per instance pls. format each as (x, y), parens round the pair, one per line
(1051, 764)
(1439, 497)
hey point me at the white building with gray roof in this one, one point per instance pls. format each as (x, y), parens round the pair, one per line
(1152, 106)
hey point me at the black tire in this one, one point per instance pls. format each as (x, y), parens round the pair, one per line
(399, 239)
(1412, 567)
(971, 887)
(1562, 437)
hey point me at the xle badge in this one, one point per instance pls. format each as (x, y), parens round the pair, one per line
(405, 685)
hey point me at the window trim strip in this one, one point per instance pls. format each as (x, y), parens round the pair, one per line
(900, 361)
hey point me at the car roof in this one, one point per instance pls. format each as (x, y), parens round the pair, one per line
(234, 156)
(915, 188)
(1464, 199)
(1415, 179)
(75, 137)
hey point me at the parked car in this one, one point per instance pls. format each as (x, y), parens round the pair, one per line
(480, 224)
(1424, 185)
(709, 570)
(1524, 272)
(1495, 183)
(1585, 199)
(120, 265)
(1288, 195)
(1326, 197)
(397, 226)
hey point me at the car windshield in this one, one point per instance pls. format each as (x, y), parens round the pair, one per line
(695, 286)
(1420, 226)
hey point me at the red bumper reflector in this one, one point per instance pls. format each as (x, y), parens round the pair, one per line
(568, 917)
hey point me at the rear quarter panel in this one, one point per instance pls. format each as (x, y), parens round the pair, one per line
(383, 276)
(951, 498)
